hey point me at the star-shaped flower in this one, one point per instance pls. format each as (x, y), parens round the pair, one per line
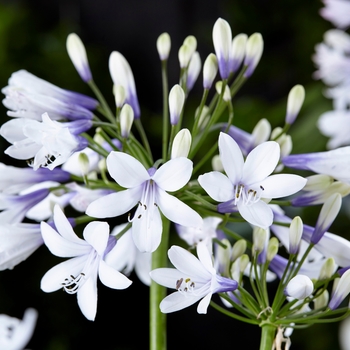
(247, 183)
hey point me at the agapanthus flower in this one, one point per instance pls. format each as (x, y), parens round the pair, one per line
(299, 287)
(28, 96)
(15, 334)
(341, 291)
(247, 183)
(193, 278)
(44, 144)
(78, 275)
(148, 190)
(337, 12)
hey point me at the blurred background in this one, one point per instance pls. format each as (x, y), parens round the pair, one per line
(32, 37)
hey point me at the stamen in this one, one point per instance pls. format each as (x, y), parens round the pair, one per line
(72, 284)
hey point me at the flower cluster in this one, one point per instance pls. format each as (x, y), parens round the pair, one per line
(83, 162)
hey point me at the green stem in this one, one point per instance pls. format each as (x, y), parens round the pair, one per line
(158, 293)
(267, 337)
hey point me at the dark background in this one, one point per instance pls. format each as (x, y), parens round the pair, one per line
(33, 35)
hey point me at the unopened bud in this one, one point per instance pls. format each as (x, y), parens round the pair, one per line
(272, 248)
(295, 233)
(259, 239)
(119, 94)
(181, 144)
(238, 249)
(227, 93)
(239, 43)
(210, 69)
(295, 101)
(254, 50)
(126, 120)
(84, 163)
(328, 269)
(299, 287)
(216, 163)
(194, 69)
(164, 46)
(322, 300)
(176, 103)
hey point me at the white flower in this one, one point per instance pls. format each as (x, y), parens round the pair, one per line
(14, 333)
(193, 278)
(247, 183)
(148, 190)
(79, 274)
(47, 144)
(337, 12)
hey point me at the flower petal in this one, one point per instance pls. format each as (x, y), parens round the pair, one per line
(204, 257)
(126, 170)
(87, 297)
(96, 233)
(112, 278)
(177, 211)
(114, 204)
(257, 214)
(231, 158)
(166, 277)
(174, 174)
(261, 162)
(177, 301)
(217, 185)
(204, 303)
(282, 185)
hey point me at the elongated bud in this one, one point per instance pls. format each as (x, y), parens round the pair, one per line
(176, 103)
(295, 233)
(254, 50)
(77, 54)
(259, 239)
(119, 95)
(164, 46)
(210, 69)
(227, 93)
(261, 131)
(187, 50)
(239, 43)
(181, 144)
(121, 74)
(318, 182)
(341, 290)
(322, 300)
(194, 69)
(222, 257)
(222, 40)
(299, 287)
(191, 43)
(328, 269)
(203, 118)
(126, 120)
(84, 163)
(238, 249)
(216, 163)
(295, 101)
(329, 212)
(243, 262)
(272, 248)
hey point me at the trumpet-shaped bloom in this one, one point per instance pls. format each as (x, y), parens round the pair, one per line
(193, 278)
(78, 275)
(247, 183)
(47, 144)
(15, 334)
(148, 190)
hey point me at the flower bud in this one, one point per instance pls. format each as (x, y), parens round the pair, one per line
(259, 239)
(222, 40)
(176, 103)
(227, 93)
(243, 262)
(329, 212)
(191, 43)
(295, 233)
(77, 54)
(181, 144)
(194, 69)
(237, 51)
(126, 120)
(295, 101)
(222, 257)
(121, 74)
(261, 131)
(299, 287)
(203, 118)
(164, 46)
(341, 290)
(328, 269)
(254, 49)
(187, 50)
(84, 163)
(119, 94)
(272, 248)
(210, 69)
(238, 249)
(216, 163)
(322, 300)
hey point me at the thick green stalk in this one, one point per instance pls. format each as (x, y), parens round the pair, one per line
(158, 293)
(267, 337)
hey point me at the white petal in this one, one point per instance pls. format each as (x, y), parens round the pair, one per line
(187, 263)
(96, 233)
(126, 170)
(204, 257)
(177, 211)
(87, 298)
(217, 185)
(177, 301)
(166, 277)
(204, 303)
(257, 214)
(174, 174)
(147, 230)
(282, 185)
(60, 246)
(52, 280)
(112, 278)
(114, 204)
(231, 157)
(261, 162)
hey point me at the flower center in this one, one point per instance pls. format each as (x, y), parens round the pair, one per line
(185, 285)
(247, 195)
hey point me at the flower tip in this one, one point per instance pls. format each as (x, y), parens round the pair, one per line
(296, 98)
(163, 46)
